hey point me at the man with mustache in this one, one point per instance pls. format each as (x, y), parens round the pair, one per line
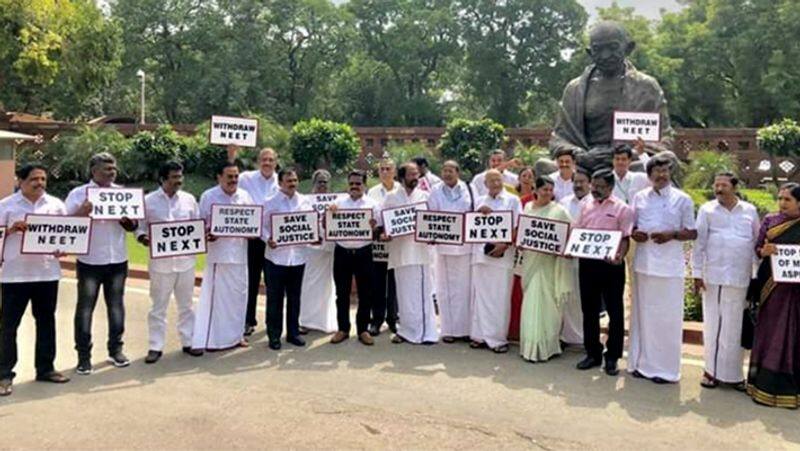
(384, 290)
(27, 278)
(722, 265)
(411, 262)
(565, 159)
(664, 220)
(172, 275)
(497, 160)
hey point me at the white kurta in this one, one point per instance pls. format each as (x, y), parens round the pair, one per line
(220, 314)
(318, 294)
(479, 182)
(411, 263)
(492, 281)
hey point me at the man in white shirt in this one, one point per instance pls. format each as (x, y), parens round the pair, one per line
(260, 184)
(354, 259)
(285, 264)
(27, 278)
(664, 219)
(220, 315)
(722, 265)
(562, 179)
(427, 179)
(453, 284)
(105, 266)
(171, 275)
(572, 324)
(411, 263)
(627, 183)
(497, 160)
(384, 291)
(492, 270)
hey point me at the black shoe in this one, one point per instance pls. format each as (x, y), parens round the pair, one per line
(374, 330)
(297, 341)
(275, 345)
(84, 366)
(659, 381)
(118, 359)
(192, 352)
(52, 376)
(392, 327)
(248, 330)
(588, 363)
(611, 367)
(152, 356)
(303, 330)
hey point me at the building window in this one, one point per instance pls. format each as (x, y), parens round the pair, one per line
(370, 142)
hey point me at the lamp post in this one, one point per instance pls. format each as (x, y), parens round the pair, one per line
(140, 74)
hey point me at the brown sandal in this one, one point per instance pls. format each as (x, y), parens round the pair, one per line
(476, 344)
(708, 382)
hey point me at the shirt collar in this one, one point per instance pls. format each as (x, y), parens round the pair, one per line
(24, 200)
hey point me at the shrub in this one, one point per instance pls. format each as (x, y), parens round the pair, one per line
(316, 143)
(149, 150)
(529, 155)
(402, 153)
(470, 142)
(705, 164)
(781, 139)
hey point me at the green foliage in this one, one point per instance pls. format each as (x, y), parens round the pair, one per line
(529, 155)
(470, 142)
(764, 201)
(402, 153)
(316, 143)
(148, 151)
(692, 302)
(705, 164)
(781, 139)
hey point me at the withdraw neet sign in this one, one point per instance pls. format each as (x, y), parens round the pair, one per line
(348, 225)
(48, 234)
(116, 203)
(630, 126)
(177, 238)
(594, 244)
(401, 221)
(290, 229)
(239, 221)
(494, 227)
(542, 235)
(238, 131)
(786, 264)
(439, 227)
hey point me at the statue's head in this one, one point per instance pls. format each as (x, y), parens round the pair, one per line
(609, 45)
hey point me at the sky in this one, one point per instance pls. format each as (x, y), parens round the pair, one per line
(648, 8)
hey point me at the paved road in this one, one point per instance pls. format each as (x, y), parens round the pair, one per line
(351, 396)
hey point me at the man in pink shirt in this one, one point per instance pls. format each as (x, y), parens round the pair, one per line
(604, 280)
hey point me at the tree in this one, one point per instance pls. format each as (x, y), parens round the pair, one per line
(470, 142)
(316, 143)
(781, 139)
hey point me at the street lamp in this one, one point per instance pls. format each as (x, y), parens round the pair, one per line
(140, 74)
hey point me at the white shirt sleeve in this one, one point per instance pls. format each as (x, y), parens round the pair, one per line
(699, 246)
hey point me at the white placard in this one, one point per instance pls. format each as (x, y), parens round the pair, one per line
(439, 227)
(48, 234)
(380, 253)
(239, 221)
(542, 235)
(786, 263)
(291, 229)
(630, 126)
(2, 243)
(116, 203)
(594, 244)
(177, 238)
(239, 131)
(348, 225)
(494, 227)
(401, 221)
(321, 201)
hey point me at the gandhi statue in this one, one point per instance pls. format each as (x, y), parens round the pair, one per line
(585, 118)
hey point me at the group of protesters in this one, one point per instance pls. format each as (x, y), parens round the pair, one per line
(485, 295)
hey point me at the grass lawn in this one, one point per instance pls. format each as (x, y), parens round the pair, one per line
(140, 255)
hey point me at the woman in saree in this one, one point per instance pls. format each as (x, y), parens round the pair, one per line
(546, 282)
(774, 376)
(527, 178)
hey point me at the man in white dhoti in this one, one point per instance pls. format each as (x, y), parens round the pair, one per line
(562, 179)
(497, 160)
(492, 272)
(411, 263)
(172, 275)
(317, 295)
(664, 219)
(384, 291)
(572, 324)
(453, 284)
(722, 265)
(220, 314)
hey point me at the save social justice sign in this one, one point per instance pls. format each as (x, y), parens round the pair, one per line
(594, 244)
(177, 238)
(238, 131)
(289, 229)
(494, 227)
(240, 221)
(630, 126)
(116, 203)
(401, 221)
(542, 235)
(48, 234)
(321, 201)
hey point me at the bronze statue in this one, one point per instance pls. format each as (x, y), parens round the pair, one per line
(585, 119)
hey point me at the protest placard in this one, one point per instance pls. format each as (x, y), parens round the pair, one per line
(239, 131)
(630, 126)
(594, 244)
(439, 227)
(177, 238)
(494, 227)
(544, 235)
(48, 234)
(2, 243)
(786, 263)
(321, 201)
(116, 203)
(236, 221)
(348, 224)
(380, 253)
(401, 221)
(291, 229)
